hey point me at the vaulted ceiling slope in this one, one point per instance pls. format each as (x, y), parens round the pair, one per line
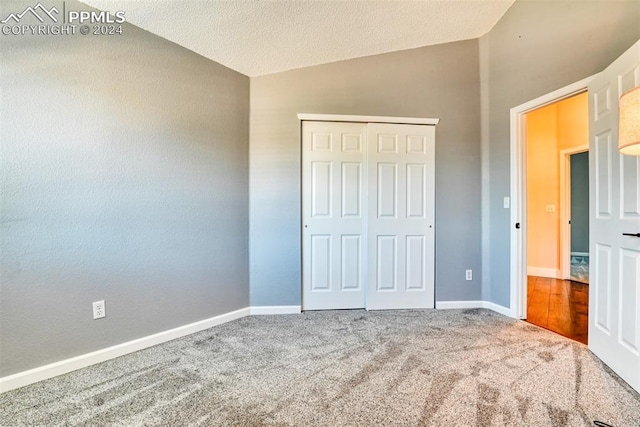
(257, 37)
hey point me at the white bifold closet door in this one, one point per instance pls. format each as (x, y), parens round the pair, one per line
(333, 215)
(400, 235)
(368, 196)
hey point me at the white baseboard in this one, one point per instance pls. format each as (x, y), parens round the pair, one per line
(41, 373)
(65, 366)
(543, 272)
(445, 305)
(579, 253)
(498, 308)
(274, 309)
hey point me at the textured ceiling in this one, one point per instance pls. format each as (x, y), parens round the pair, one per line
(257, 37)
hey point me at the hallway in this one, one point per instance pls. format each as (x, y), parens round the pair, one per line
(559, 305)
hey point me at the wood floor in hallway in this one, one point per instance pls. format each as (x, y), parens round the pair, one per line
(562, 306)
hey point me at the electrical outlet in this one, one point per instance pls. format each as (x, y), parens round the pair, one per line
(99, 310)
(469, 275)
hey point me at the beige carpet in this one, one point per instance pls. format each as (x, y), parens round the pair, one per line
(342, 368)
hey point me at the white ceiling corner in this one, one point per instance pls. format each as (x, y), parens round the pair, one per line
(257, 37)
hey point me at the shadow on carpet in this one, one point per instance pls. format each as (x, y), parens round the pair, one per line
(341, 368)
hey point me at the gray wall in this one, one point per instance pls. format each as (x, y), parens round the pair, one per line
(123, 177)
(440, 82)
(580, 202)
(536, 48)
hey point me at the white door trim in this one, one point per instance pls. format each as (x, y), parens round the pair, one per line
(565, 208)
(367, 119)
(518, 300)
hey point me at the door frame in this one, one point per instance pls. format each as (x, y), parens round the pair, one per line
(366, 119)
(565, 208)
(518, 190)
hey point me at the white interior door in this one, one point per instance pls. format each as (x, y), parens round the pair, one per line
(333, 210)
(401, 188)
(614, 293)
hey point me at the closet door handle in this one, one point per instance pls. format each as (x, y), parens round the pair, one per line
(631, 234)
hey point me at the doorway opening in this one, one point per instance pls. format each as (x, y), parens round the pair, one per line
(520, 282)
(557, 227)
(574, 204)
(614, 208)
